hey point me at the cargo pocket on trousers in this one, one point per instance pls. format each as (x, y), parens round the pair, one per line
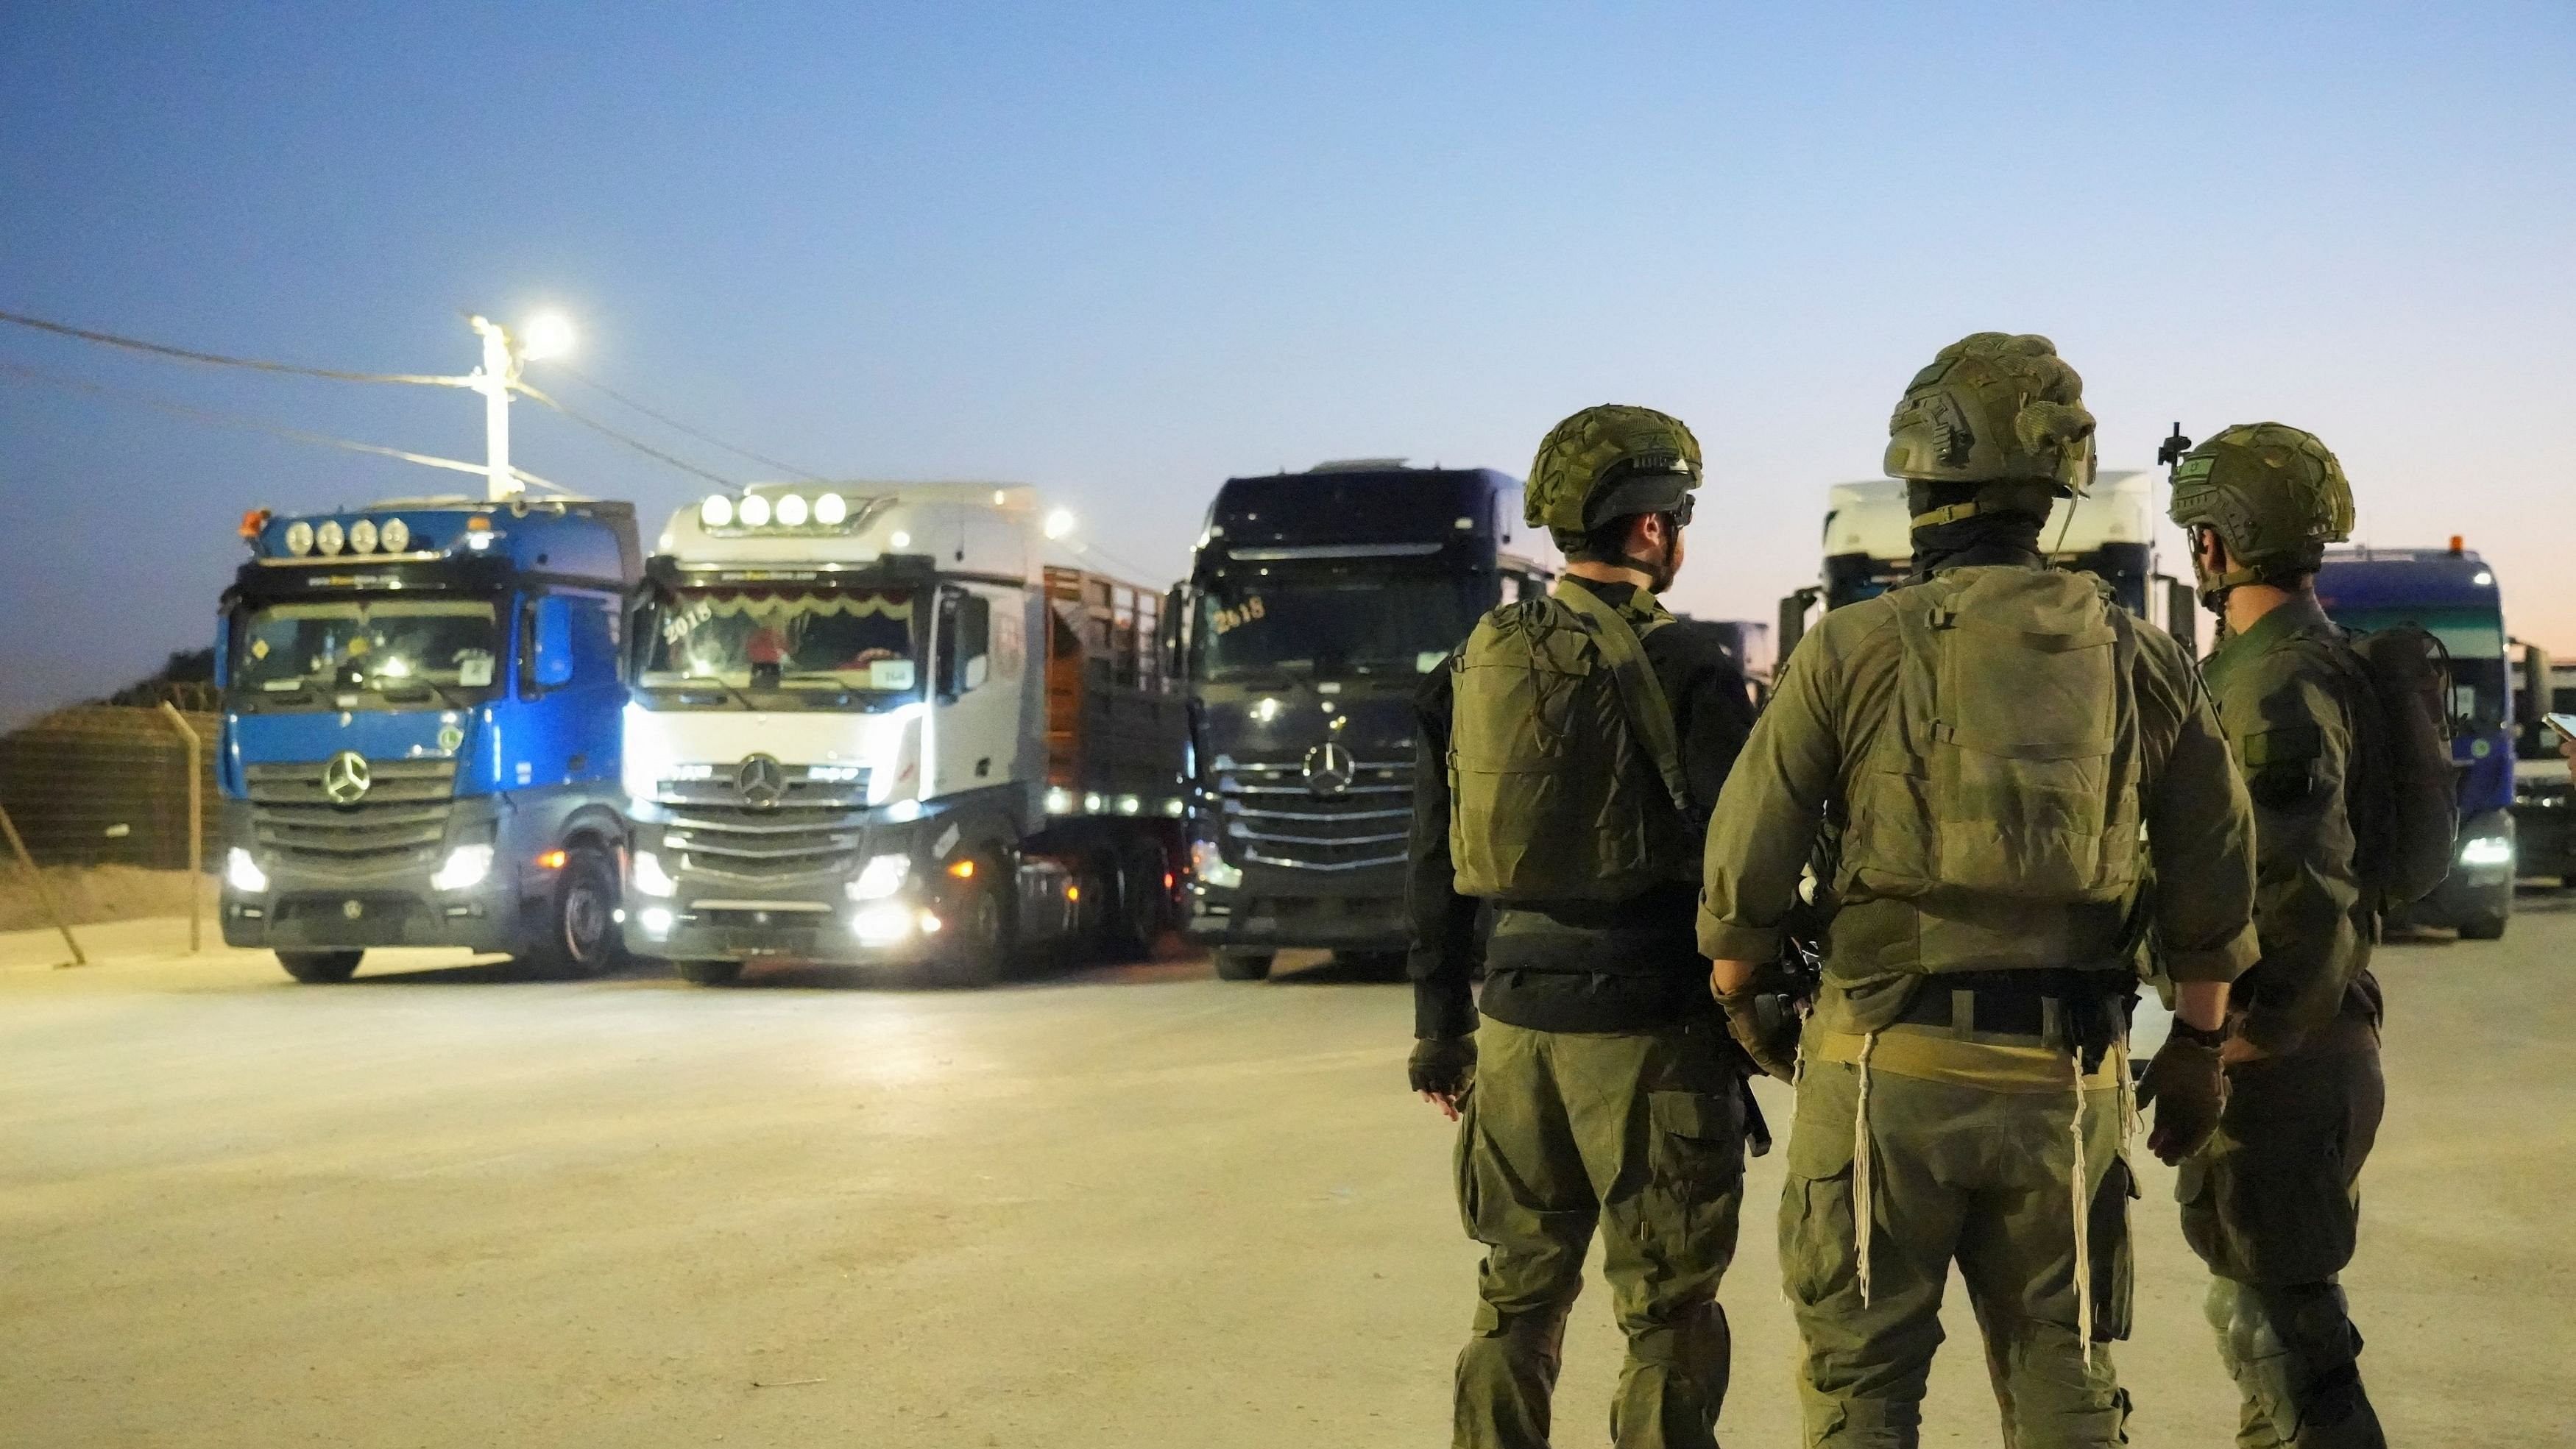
(1695, 1154)
(2114, 1263)
(1817, 1230)
(1462, 1159)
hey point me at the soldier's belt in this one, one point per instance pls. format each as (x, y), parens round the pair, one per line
(1938, 1056)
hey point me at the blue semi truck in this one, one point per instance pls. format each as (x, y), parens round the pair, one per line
(2453, 594)
(420, 738)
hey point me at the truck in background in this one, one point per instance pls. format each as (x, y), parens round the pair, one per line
(2110, 533)
(2544, 807)
(420, 732)
(1315, 603)
(2452, 594)
(872, 727)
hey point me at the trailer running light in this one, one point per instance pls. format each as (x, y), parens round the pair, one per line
(2487, 850)
(466, 866)
(396, 534)
(831, 510)
(1130, 805)
(1091, 804)
(754, 511)
(792, 511)
(885, 925)
(1172, 807)
(1059, 801)
(329, 537)
(243, 873)
(1209, 864)
(881, 877)
(649, 877)
(656, 922)
(716, 512)
(552, 860)
(964, 869)
(299, 538)
(362, 536)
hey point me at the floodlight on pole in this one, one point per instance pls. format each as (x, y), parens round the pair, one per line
(1059, 522)
(549, 334)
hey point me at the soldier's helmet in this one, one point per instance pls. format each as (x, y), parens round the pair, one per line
(1608, 462)
(2273, 493)
(1994, 407)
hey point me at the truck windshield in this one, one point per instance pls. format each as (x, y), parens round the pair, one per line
(2475, 639)
(783, 637)
(1344, 624)
(388, 645)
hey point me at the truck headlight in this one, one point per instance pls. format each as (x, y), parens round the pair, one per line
(2487, 850)
(881, 877)
(649, 877)
(243, 873)
(465, 868)
(1209, 865)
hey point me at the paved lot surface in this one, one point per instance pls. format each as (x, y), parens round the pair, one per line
(1132, 1207)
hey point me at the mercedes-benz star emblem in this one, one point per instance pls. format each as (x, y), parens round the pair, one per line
(760, 780)
(345, 777)
(1330, 769)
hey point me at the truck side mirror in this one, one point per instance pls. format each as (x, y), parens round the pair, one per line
(552, 659)
(965, 643)
(1167, 629)
(2182, 614)
(2531, 693)
(1793, 623)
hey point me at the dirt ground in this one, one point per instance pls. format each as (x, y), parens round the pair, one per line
(1124, 1208)
(93, 894)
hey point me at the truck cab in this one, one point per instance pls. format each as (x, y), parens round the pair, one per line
(2452, 594)
(872, 728)
(420, 732)
(2544, 806)
(1316, 602)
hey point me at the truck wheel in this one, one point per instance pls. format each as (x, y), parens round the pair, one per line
(1236, 965)
(2484, 926)
(581, 921)
(1142, 906)
(975, 944)
(708, 973)
(317, 968)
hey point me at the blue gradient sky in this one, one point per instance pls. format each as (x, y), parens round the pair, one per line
(1124, 255)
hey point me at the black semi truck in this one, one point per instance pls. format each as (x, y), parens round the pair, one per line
(1316, 603)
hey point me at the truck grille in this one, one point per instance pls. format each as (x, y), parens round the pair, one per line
(400, 819)
(1287, 813)
(789, 825)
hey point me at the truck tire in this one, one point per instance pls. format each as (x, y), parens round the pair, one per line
(708, 973)
(581, 936)
(1233, 964)
(2484, 926)
(319, 968)
(1143, 905)
(975, 944)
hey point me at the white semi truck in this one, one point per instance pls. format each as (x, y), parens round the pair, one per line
(870, 726)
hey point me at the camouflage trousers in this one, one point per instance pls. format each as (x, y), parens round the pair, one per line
(1640, 1136)
(2273, 1205)
(1958, 1173)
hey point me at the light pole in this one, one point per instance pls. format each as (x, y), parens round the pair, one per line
(549, 335)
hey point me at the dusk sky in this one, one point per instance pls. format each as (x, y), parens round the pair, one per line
(1124, 252)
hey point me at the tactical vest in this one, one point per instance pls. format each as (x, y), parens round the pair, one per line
(1565, 775)
(2010, 772)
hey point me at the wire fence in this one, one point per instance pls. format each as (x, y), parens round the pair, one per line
(108, 784)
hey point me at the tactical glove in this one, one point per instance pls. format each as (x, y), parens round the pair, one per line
(2189, 1090)
(1763, 1019)
(1442, 1065)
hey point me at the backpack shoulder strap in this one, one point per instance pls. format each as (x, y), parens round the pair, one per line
(1641, 694)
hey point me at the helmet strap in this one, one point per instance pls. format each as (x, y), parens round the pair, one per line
(1951, 514)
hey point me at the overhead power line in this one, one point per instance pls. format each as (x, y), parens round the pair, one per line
(666, 420)
(274, 429)
(217, 359)
(604, 430)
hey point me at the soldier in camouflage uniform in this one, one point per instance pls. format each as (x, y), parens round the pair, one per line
(1561, 751)
(2273, 1203)
(1987, 745)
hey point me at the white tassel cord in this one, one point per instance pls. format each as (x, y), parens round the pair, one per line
(2083, 1222)
(1863, 1210)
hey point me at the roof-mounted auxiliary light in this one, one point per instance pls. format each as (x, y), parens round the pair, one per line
(754, 511)
(396, 535)
(330, 537)
(299, 538)
(831, 509)
(362, 536)
(716, 512)
(792, 511)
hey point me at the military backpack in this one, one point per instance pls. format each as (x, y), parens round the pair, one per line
(1565, 774)
(2011, 768)
(2407, 817)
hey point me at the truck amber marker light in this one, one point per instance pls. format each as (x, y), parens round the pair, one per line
(552, 860)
